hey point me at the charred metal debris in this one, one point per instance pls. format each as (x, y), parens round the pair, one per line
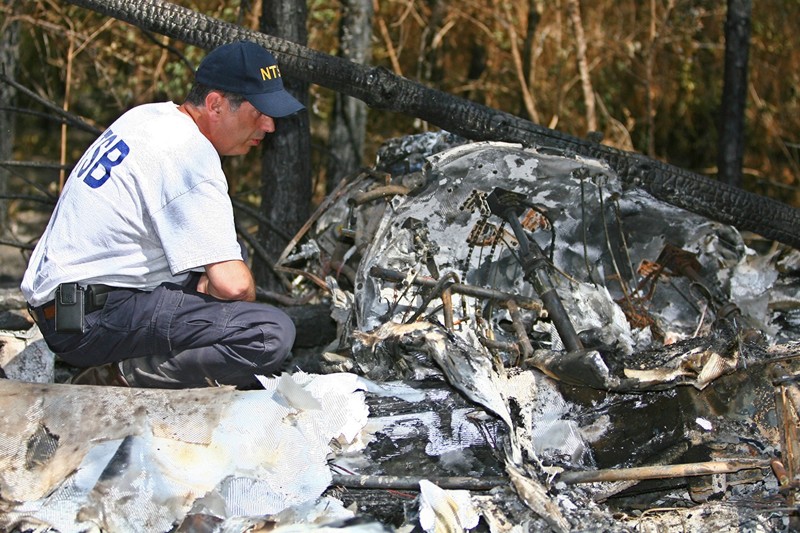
(660, 346)
(510, 341)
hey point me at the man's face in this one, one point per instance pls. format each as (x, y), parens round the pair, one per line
(234, 132)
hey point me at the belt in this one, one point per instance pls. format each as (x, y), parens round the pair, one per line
(94, 298)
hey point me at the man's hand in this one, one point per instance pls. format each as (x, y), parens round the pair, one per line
(228, 280)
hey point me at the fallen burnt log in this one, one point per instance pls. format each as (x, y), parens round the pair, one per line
(383, 90)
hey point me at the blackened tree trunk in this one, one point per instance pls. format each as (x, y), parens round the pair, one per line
(734, 92)
(286, 165)
(9, 54)
(349, 120)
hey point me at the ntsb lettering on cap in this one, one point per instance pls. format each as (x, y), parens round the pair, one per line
(269, 72)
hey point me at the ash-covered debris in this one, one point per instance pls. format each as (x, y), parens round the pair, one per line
(522, 344)
(644, 334)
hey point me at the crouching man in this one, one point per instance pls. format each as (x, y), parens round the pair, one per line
(139, 273)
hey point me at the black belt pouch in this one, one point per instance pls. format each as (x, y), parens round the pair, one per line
(69, 308)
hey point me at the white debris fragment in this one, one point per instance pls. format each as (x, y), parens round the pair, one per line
(703, 423)
(443, 510)
(592, 308)
(295, 395)
(751, 281)
(24, 356)
(83, 457)
(537, 499)
(545, 429)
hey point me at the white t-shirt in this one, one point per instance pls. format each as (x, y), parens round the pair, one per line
(147, 203)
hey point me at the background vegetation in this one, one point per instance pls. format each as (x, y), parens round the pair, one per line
(655, 72)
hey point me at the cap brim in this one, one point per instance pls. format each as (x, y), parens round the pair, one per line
(276, 104)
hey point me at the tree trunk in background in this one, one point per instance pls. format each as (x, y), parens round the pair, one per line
(528, 46)
(286, 165)
(430, 68)
(349, 120)
(574, 8)
(734, 92)
(9, 55)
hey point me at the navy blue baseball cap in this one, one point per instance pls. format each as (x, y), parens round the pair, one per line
(247, 69)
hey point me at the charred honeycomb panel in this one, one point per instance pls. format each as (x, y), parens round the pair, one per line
(41, 447)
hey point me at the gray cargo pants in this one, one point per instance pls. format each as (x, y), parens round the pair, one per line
(175, 337)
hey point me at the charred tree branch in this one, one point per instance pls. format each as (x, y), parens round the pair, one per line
(244, 208)
(35, 164)
(42, 199)
(17, 244)
(69, 118)
(262, 254)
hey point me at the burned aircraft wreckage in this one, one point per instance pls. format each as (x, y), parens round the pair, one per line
(605, 329)
(528, 337)
(522, 343)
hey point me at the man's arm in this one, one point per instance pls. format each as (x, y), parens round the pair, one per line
(228, 280)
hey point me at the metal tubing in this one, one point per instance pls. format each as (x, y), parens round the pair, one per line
(412, 482)
(447, 308)
(437, 289)
(534, 263)
(662, 471)
(459, 288)
(519, 329)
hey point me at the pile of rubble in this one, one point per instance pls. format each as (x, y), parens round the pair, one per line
(521, 344)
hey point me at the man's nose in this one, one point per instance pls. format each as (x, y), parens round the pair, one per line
(266, 124)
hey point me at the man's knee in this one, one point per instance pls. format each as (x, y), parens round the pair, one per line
(278, 334)
(285, 332)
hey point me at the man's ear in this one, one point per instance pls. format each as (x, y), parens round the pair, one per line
(214, 101)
